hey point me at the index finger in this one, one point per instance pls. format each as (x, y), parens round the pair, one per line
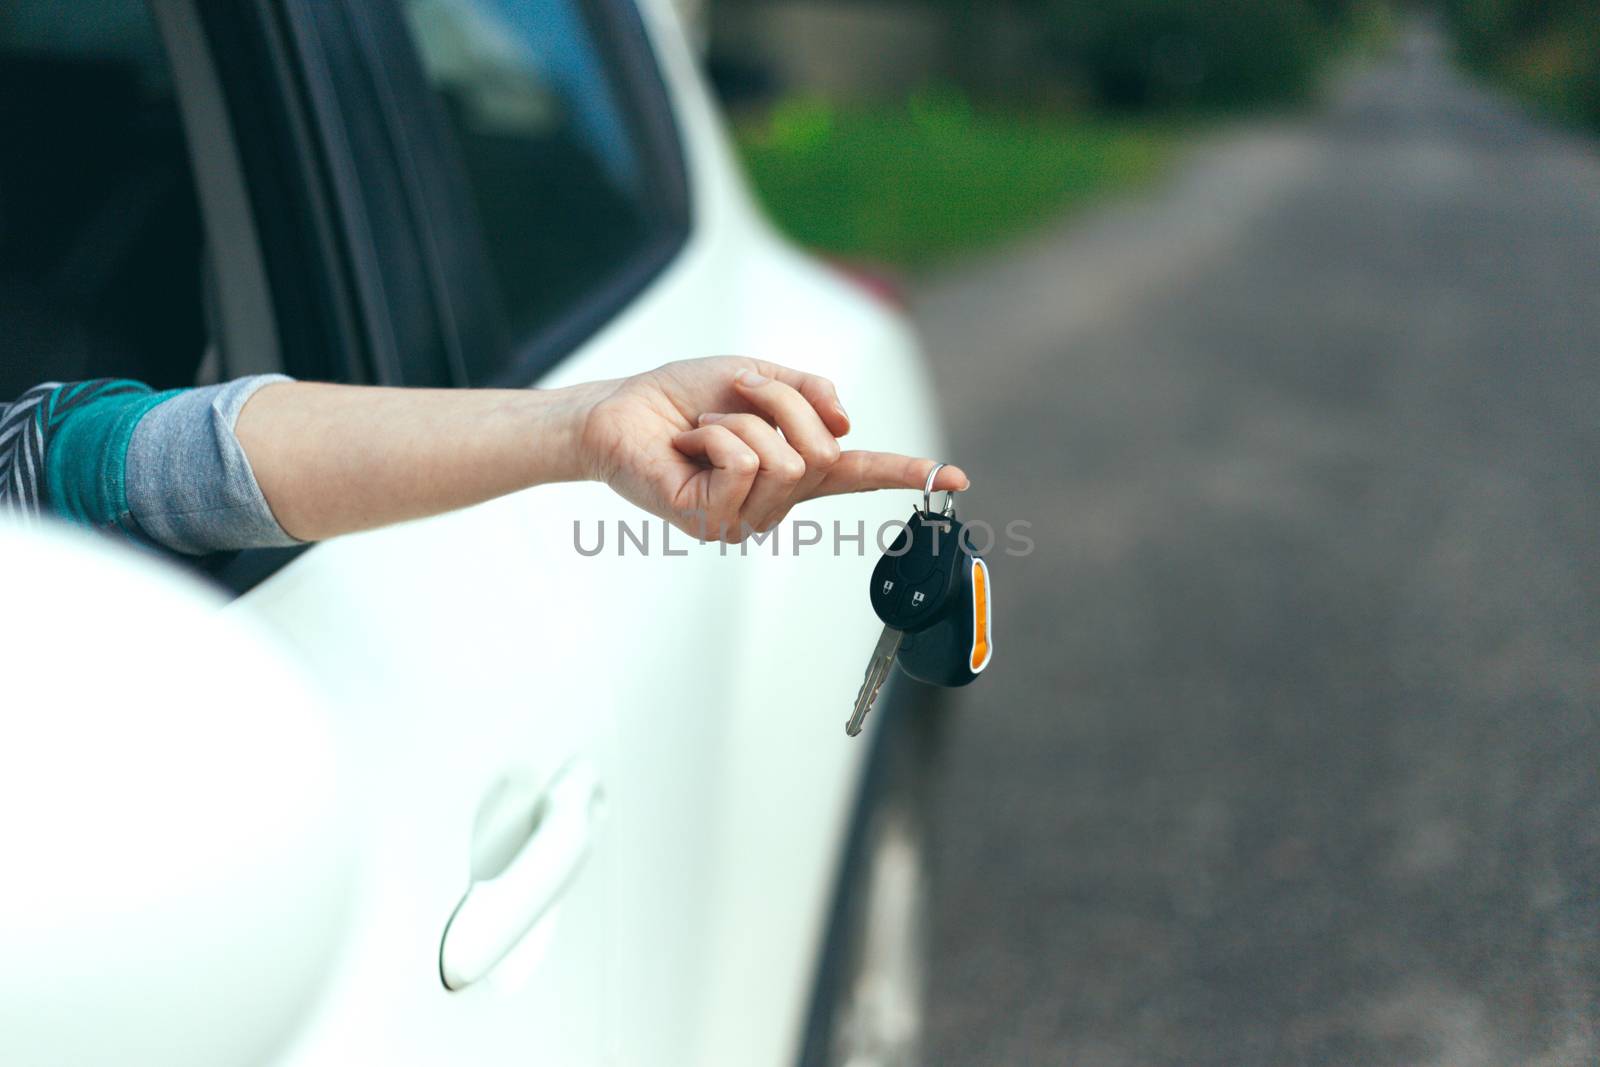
(859, 472)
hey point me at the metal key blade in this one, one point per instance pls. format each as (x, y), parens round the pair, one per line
(878, 668)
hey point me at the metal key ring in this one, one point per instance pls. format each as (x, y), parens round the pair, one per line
(927, 494)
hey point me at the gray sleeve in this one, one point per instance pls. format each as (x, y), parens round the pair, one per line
(189, 486)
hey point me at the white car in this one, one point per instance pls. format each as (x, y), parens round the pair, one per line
(594, 808)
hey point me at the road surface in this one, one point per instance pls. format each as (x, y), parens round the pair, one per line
(1290, 753)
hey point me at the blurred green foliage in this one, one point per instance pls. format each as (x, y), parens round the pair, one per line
(1183, 53)
(907, 184)
(1202, 53)
(1548, 50)
(1096, 106)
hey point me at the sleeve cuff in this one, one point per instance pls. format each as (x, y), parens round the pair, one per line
(189, 485)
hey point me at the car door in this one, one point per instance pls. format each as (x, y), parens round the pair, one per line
(535, 192)
(569, 143)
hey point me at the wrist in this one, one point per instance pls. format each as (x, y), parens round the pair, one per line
(561, 432)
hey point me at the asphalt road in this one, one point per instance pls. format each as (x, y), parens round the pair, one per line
(1290, 752)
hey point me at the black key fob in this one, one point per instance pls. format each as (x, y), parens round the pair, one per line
(956, 648)
(913, 581)
(932, 587)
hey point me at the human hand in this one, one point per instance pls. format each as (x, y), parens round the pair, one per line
(727, 445)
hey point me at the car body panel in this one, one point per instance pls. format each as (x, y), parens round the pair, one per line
(176, 843)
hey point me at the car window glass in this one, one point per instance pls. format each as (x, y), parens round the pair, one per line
(551, 144)
(100, 234)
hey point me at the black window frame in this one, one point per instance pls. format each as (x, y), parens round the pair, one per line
(293, 199)
(469, 290)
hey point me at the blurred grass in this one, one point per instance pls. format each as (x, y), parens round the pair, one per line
(914, 183)
(1558, 73)
(1371, 28)
(1545, 51)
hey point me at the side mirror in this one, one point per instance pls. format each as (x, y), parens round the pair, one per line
(170, 819)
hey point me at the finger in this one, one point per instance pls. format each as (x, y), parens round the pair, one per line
(818, 391)
(782, 468)
(718, 493)
(858, 472)
(802, 426)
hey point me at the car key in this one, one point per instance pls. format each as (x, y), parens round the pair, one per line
(922, 589)
(907, 590)
(878, 669)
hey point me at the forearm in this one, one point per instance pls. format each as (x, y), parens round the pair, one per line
(333, 459)
(718, 446)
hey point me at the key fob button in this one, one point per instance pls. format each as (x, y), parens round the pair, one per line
(923, 598)
(888, 593)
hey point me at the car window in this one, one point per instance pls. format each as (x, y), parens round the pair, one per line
(100, 233)
(557, 148)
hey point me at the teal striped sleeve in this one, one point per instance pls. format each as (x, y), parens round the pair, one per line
(86, 458)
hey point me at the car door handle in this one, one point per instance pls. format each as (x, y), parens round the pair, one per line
(497, 912)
